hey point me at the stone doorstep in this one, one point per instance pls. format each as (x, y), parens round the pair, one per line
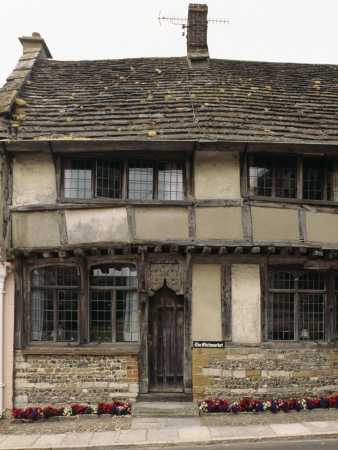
(165, 409)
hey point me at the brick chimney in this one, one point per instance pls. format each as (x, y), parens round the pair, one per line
(197, 47)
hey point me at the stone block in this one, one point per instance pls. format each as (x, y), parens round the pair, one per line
(209, 371)
(301, 374)
(279, 373)
(253, 373)
(239, 373)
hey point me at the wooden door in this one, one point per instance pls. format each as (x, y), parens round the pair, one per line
(166, 341)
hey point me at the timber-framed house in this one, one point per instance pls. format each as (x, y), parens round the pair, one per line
(168, 225)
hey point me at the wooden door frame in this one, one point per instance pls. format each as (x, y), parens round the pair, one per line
(187, 346)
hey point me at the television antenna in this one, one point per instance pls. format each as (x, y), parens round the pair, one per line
(183, 21)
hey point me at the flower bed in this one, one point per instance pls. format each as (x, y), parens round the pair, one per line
(36, 413)
(247, 405)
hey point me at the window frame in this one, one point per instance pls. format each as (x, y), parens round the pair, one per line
(330, 313)
(125, 162)
(300, 162)
(83, 269)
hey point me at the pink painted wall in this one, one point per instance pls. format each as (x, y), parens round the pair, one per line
(8, 339)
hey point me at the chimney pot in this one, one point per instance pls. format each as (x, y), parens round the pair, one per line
(34, 34)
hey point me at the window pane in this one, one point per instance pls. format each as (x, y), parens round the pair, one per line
(67, 315)
(281, 316)
(107, 275)
(311, 281)
(78, 178)
(140, 181)
(170, 181)
(311, 317)
(55, 276)
(332, 181)
(108, 178)
(286, 178)
(281, 280)
(127, 323)
(42, 315)
(100, 316)
(312, 180)
(260, 177)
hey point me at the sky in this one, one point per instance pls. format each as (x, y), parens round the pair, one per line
(298, 31)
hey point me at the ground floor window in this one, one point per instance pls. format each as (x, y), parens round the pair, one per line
(297, 306)
(54, 304)
(109, 313)
(113, 304)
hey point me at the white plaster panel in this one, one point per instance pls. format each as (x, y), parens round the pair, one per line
(206, 302)
(97, 225)
(273, 223)
(35, 229)
(321, 227)
(246, 303)
(161, 223)
(217, 175)
(219, 223)
(33, 179)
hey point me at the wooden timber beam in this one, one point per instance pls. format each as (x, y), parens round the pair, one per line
(158, 249)
(206, 250)
(222, 251)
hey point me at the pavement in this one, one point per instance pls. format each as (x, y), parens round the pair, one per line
(165, 429)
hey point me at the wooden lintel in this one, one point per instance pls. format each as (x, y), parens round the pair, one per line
(255, 250)
(190, 249)
(222, 251)
(46, 254)
(316, 253)
(206, 250)
(142, 249)
(238, 250)
(271, 250)
(286, 251)
(174, 249)
(62, 254)
(332, 254)
(111, 251)
(79, 252)
(96, 251)
(158, 249)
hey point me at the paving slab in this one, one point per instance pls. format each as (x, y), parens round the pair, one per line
(224, 432)
(148, 422)
(194, 434)
(322, 427)
(77, 439)
(49, 440)
(132, 437)
(162, 435)
(290, 429)
(183, 421)
(19, 441)
(255, 431)
(105, 437)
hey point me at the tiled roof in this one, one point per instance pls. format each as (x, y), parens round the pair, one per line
(163, 99)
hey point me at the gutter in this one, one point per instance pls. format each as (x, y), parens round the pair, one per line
(3, 273)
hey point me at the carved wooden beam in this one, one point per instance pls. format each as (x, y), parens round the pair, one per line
(174, 249)
(190, 249)
(222, 251)
(158, 249)
(96, 251)
(271, 250)
(62, 254)
(316, 253)
(142, 249)
(111, 251)
(46, 254)
(206, 250)
(79, 252)
(238, 250)
(255, 250)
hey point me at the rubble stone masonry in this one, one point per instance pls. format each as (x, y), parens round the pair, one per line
(234, 373)
(59, 380)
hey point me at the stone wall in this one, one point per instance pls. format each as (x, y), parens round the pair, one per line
(234, 373)
(59, 380)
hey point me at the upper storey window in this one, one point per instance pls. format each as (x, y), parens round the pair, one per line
(135, 180)
(302, 178)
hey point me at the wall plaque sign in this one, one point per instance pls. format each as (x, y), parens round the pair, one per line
(208, 344)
